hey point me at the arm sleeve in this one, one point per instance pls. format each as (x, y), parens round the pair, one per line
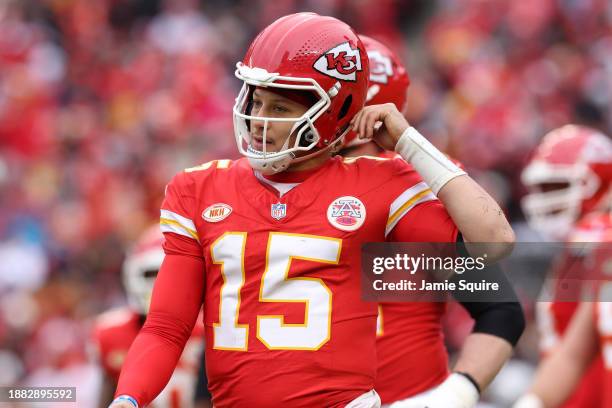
(175, 304)
(504, 319)
(176, 301)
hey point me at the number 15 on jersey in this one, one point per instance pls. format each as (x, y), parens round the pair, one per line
(228, 251)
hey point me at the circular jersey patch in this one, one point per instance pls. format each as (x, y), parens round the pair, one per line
(346, 213)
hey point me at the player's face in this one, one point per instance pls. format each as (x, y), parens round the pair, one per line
(269, 104)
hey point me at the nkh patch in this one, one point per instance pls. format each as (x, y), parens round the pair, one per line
(278, 211)
(217, 212)
(346, 213)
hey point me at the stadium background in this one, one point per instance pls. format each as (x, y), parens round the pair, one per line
(101, 102)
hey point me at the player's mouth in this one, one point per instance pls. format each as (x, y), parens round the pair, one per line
(257, 143)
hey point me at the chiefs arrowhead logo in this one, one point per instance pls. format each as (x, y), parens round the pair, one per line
(380, 67)
(341, 62)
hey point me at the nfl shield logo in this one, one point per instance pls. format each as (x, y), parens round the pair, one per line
(278, 211)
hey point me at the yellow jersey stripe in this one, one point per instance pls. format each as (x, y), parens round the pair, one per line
(407, 204)
(165, 221)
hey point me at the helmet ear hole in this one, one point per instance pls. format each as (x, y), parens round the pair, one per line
(345, 107)
(307, 137)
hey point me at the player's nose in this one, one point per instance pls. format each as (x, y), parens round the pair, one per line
(257, 127)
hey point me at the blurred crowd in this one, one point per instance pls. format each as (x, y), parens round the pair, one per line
(101, 102)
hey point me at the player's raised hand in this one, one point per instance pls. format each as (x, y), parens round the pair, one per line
(386, 134)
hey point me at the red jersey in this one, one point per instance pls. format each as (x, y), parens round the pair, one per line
(113, 334)
(553, 318)
(412, 356)
(285, 324)
(603, 324)
(597, 227)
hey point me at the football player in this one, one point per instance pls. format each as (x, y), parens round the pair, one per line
(115, 330)
(568, 177)
(412, 358)
(389, 82)
(271, 243)
(588, 337)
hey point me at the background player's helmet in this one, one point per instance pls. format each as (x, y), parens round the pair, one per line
(389, 81)
(140, 268)
(568, 176)
(310, 53)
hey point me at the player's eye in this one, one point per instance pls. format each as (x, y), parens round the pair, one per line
(256, 104)
(280, 108)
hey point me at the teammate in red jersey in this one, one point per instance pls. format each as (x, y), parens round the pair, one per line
(271, 243)
(389, 82)
(588, 337)
(115, 330)
(412, 357)
(568, 177)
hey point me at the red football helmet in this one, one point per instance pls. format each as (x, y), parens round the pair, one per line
(389, 81)
(310, 53)
(141, 266)
(568, 176)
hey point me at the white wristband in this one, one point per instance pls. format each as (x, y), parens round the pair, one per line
(434, 167)
(462, 388)
(529, 401)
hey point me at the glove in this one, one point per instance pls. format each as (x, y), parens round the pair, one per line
(529, 401)
(455, 392)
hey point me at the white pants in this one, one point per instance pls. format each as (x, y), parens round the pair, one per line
(368, 400)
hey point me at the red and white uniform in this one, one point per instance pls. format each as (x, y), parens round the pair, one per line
(285, 324)
(554, 317)
(597, 227)
(603, 322)
(595, 389)
(113, 334)
(568, 176)
(412, 356)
